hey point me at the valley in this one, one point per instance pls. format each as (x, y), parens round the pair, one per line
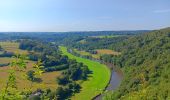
(118, 67)
(97, 81)
(84, 49)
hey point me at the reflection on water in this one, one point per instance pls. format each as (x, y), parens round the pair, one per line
(115, 81)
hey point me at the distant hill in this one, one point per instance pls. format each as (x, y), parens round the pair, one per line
(145, 61)
(55, 36)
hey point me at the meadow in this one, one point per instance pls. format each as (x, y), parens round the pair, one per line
(12, 47)
(99, 53)
(107, 51)
(96, 82)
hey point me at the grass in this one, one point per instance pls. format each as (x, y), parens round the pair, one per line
(48, 79)
(87, 53)
(105, 36)
(107, 51)
(96, 82)
(12, 47)
(82, 41)
(4, 60)
(99, 53)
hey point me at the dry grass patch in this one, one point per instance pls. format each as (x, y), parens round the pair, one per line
(107, 51)
(84, 53)
(5, 60)
(12, 47)
(48, 79)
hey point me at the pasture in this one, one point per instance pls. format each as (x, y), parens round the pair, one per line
(12, 47)
(99, 53)
(107, 51)
(48, 80)
(96, 82)
(84, 53)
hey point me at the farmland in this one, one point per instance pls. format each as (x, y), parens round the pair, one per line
(48, 79)
(12, 47)
(107, 51)
(99, 53)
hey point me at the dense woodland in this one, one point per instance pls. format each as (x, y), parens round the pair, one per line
(145, 61)
(91, 43)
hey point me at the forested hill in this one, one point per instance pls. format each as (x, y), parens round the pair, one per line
(145, 60)
(61, 37)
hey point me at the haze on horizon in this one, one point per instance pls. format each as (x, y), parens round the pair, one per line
(83, 15)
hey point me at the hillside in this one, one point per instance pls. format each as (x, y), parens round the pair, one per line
(145, 61)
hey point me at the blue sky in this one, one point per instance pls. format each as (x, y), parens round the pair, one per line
(83, 15)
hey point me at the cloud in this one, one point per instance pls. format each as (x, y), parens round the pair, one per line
(162, 11)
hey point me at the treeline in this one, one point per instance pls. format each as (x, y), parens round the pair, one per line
(4, 53)
(60, 37)
(91, 43)
(145, 60)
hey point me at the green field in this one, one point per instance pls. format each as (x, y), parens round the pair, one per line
(96, 82)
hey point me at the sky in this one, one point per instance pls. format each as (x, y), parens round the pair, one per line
(83, 15)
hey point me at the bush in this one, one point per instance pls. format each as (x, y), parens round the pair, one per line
(2, 65)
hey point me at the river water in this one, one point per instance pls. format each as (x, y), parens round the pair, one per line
(115, 81)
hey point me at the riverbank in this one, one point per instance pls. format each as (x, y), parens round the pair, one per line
(96, 82)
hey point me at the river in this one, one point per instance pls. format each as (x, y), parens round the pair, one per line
(114, 83)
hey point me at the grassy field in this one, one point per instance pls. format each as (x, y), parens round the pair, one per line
(82, 41)
(48, 79)
(4, 60)
(96, 82)
(99, 53)
(107, 51)
(12, 47)
(87, 53)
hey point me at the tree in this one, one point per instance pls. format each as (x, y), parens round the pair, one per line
(62, 80)
(10, 91)
(60, 93)
(31, 75)
(1, 48)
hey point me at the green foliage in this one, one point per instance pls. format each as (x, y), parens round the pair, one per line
(31, 75)
(19, 62)
(66, 91)
(63, 80)
(5, 64)
(10, 91)
(93, 43)
(6, 54)
(38, 69)
(1, 48)
(145, 61)
(98, 78)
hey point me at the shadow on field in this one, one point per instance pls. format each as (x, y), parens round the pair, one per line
(37, 80)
